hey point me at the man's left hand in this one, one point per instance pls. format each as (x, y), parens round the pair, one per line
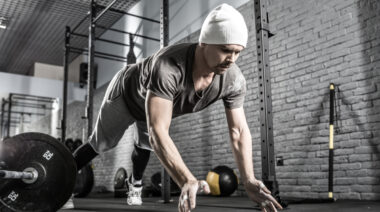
(259, 193)
(189, 191)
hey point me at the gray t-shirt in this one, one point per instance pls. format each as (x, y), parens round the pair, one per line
(168, 74)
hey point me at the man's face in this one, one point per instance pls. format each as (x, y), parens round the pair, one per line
(220, 57)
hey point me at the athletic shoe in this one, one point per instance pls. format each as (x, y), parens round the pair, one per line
(134, 194)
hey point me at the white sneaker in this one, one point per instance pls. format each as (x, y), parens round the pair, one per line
(134, 195)
(69, 204)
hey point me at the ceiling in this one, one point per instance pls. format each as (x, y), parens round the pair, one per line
(36, 28)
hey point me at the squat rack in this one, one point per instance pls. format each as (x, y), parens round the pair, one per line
(262, 35)
(94, 17)
(21, 100)
(265, 94)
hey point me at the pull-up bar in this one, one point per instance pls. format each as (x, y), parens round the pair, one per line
(100, 56)
(100, 39)
(98, 53)
(125, 32)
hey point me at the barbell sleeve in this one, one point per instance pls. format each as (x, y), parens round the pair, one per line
(5, 174)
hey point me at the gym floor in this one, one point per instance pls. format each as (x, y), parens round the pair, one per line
(207, 203)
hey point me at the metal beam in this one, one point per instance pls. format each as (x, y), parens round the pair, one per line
(266, 118)
(100, 56)
(65, 82)
(164, 36)
(125, 32)
(101, 39)
(91, 53)
(42, 107)
(9, 114)
(26, 113)
(98, 53)
(104, 11)
(27, 96)
(32, 99)
(3, 102)
(28, 104)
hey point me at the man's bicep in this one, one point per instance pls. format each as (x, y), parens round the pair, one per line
(158, 111)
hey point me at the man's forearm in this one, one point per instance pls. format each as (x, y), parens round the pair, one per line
(242, 149)
(169, 156)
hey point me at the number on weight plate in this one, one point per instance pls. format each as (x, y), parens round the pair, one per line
(13, 196)
(48, 155)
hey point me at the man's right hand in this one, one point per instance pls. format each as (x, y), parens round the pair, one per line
(189, 191)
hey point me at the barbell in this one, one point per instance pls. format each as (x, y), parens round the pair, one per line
(37, 173)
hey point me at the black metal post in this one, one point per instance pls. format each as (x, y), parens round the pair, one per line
(65, 82)
(91, 52)
(266, 118)
(331, 142)
(9, 115)
(3, 102)
(164, 36)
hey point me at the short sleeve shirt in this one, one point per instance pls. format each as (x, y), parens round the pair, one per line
(168, 74)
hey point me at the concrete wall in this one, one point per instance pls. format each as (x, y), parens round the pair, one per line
(13, 83)
(43, 70)
(48, 71)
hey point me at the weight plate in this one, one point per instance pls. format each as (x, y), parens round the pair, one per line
(84, 181)
(69, 143)
(119, 180)
(56, 173)
(77, 143)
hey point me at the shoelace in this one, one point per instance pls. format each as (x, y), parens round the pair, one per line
(133, 193)
(136, 193)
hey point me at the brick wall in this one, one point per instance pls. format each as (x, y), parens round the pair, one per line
(318, 42)
(315, 43)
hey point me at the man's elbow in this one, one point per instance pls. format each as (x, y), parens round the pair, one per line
(237, 134)
(154, 137)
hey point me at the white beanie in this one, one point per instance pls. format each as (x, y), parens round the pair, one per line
(224, 25)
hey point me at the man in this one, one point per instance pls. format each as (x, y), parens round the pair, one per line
(180, 79)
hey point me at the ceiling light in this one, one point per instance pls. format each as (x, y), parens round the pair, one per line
(3, 23)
